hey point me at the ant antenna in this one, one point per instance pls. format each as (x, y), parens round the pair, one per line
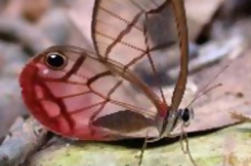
(205, 89)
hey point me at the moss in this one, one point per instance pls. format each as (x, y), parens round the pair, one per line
(229, 146)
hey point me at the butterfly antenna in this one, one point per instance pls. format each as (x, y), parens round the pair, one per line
(204, 92)
(205, 89)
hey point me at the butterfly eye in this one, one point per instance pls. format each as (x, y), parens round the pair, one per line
(55, 60)
(186, 115)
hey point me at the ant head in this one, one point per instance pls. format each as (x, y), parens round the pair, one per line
(185, 115)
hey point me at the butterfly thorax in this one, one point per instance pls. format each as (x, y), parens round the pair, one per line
(181, 116)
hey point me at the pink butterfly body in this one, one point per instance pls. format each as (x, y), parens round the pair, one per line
(93, 96)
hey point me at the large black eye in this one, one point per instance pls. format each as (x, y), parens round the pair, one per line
(55, 60)
(185, 116)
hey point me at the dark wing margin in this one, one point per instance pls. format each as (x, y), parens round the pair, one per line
(178, 6)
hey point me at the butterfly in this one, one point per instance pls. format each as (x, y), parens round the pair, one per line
(93, 94)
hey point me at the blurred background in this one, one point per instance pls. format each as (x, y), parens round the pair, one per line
(219, 32)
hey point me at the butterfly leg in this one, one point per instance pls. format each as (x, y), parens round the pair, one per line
(184, 143)
(143, 150)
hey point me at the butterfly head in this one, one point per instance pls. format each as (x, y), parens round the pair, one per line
(181, 116)
(185, 115)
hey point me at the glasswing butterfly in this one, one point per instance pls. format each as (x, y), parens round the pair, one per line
(94, 94)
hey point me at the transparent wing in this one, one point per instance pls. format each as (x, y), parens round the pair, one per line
(96, 96)
(126, 31)
(88, 97)
(136, 31)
